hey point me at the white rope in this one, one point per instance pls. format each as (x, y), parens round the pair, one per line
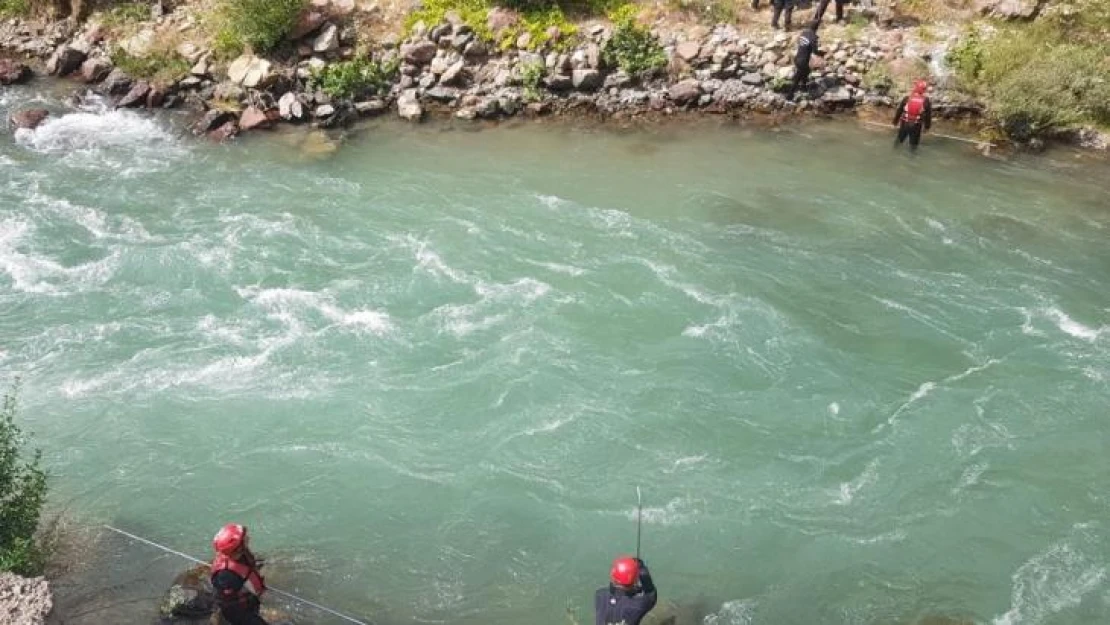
(275, 590)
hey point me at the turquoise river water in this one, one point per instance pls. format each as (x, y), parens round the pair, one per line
(429, 369)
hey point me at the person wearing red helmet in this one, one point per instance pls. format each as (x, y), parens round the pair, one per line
(914, 114)
(236, 578)
(630, 595)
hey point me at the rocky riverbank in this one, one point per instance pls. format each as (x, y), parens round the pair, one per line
(446, 69)
(24, 601)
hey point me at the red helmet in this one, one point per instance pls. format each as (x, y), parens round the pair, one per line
(625, 571)
(229, 538)
(919, 86)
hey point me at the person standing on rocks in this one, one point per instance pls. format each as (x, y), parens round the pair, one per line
(236, 578)
(782, 6)
(807, 47)
(914, 114)
(819, 14)
(629, 596)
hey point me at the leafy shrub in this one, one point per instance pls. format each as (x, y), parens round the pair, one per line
(633, 48)
(256, 24)
(878, 79)
(15, 8)
(966, 58)
(23, 484)
(356, 78)
(531, 75)
(434, 12)
(157, 66)
(708, 11)
(125, 13)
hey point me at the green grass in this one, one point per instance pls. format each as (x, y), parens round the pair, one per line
(359, 77)
(258, 25)
(125, 13)
(15, 8)
(531, 76)
(161, 67)
(707, 11)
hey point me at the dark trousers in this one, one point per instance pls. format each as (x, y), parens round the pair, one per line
(782, 6)
(801, 75)
(824, 4)
(240, 615)
(913, 131)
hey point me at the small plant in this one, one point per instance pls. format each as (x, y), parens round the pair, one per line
(531, 75)
(878, 79)
(126, 13)
(434, 12)
(966, 58)
(23, 484)
(158, 66)
(356, 78)
(633, 48)
(256, 24)
(708, 11)
(15, 8)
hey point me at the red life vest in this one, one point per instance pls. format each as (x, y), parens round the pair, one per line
(915, 107)
(248, 573)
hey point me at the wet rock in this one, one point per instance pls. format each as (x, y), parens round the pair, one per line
(136, 96)
(291, 107)
(308, 23)
(685, 92)
(214, 119)
(24, 601)
(374, 106)
(328, 39)
(249, 70)
(95, 69)
(156, 97)
(255, 118)
(28, 118)
(510, 101)
(65, 61)
(324, 111)
(408, 106)
(419, 53)
(453, 75)
(586, 79)
(116, 84)
(224, 132)
(466, 113)
(488, 108)
(191, 596)
(13, 72)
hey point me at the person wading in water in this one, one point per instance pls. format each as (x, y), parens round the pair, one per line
(630, 595)
(236, 577)
(914, 114)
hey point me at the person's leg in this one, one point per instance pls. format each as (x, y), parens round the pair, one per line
(801, 74)
(789, 14)
(238, 615)
(777, 5)
(820, 12)
(903, 132)
(915, 136)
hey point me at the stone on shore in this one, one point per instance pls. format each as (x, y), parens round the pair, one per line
(586, 79)
(65, 60)
(14, 72)
(95, 69)
(419, 53)
(308, 23)
(212, 120)
(24, 601)
(408, 106)
(685, 92)
(116, 84)
(290, 107)
(136, 96)
(688, 50)
(254, 118)
(1010, 9)
(30, 119)
(453, 75)
(249, 71)
(327, 40)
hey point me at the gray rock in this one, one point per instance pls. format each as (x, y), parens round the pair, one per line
(408, 106)
(373, 106)
(136, 96)
(249, 70)
(593, 56)
(14, 72)
(290, 107)
(439, 32)
(308, 23)
(190, 82)
(488, 108)
(324, 111)
(212, 120)
(24, 601)
(442, 94)
(466, 113)
(116, 84)
(65, 61)
(254, 118)
(558, 82)
(201, 68)
(439, 64)
(586, 79)
(28, 118)
(328, 39)
(688, 50)
(838, 96)
(510, 101)
(419, 53)
(733, 92)
(684, 92)
(427, 81)
(460, 42)
(617, 80)
(1010, 9)
(454, 74)
(475, 50)
(95, 69)
(752, 78)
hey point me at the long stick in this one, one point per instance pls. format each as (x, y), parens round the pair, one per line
(639, 520)
(274, 590)
(937, 134)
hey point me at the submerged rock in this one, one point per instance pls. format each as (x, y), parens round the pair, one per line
(191, 596)
(14, 72)
(28, 118)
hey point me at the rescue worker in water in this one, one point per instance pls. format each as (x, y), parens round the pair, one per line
(914, 114)
(629, 596)
(236, 578)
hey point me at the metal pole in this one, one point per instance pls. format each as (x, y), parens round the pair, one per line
(275, 590)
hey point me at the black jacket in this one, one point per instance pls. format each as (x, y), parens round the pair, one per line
(926, 115)
(807, 47)
(614, 606)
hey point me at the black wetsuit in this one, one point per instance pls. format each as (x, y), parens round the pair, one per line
(807, 47)
(238, 605)
(909, 129)
(782, 6)
(824, 4)
(614, 606)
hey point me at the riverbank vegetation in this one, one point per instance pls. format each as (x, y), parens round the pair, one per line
(23, 487)
(258, 25)
(1044, 77)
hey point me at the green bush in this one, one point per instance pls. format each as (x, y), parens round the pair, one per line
(163, 67)
(708, 11)
(23, 484)
(125, 13)
(259, 25)
(15, 8)
(359, 77)
(434, 12)
(966, 58)
(632, 47)
(531, 75)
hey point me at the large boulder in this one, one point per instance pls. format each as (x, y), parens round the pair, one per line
(136, 96)
(213, 120)
(24, 601)
(1010, 9)
(586, 79)
(291, 107)
(65, 61)
(30, 119)
(95, 69)
(419, 53)
(685, 92)
(249, 71)
(408, 106)
(191, 596)
(14, 72)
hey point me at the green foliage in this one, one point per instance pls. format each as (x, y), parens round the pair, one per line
(539, 24)
(256, 24)
(23, 484)
(967, 57)
(15, 8)
(356, 78)
(633, 48)
(531, 75)
(125, 13)
(434, 12)
(878, 79)
(163, 67)
(708, 11)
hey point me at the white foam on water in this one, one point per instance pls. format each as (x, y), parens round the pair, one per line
(569, 270)
(1051, 582)
(736, 612)
(96, 222)
(32, 273)
(429, 261)
(970, 477)
(1071, 327)
(284, 303)
(834, 409)
(678, 511)
(849, 490)
(526, 290)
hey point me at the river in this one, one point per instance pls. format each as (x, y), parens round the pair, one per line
(429, 369)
